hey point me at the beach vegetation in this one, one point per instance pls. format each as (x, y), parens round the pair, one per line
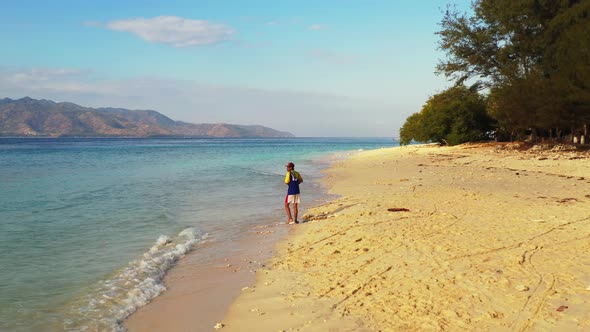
(454, 116)
(529, 58)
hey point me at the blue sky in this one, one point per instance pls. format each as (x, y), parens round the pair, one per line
(314, 68)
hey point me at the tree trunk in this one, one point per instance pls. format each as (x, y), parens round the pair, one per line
(574, 137)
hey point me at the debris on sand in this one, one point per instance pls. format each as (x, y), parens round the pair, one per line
(319, 216)
(398, 210)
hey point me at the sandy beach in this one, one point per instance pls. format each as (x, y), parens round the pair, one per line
(473, 237)
(204, 283)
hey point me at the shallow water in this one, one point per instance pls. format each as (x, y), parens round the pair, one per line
(88, 227)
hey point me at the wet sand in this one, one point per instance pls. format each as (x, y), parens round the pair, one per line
(474, 237)
(203, 284)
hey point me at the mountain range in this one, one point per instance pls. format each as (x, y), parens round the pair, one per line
(28, 117)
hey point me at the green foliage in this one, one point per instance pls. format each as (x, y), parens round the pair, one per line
(411, 130)
(531, 55)
(454, 116)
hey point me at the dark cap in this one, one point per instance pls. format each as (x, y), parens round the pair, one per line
(290, 164)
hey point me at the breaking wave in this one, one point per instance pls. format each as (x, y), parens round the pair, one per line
(117, 297)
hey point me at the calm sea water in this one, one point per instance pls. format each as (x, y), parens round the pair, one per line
(89, 227)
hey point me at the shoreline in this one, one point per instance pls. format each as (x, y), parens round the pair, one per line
(491, 239)
(167, 201)
(203, 284)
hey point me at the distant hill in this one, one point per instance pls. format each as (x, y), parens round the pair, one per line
(44, 118)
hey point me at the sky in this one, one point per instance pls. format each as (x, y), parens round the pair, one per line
(321, 68)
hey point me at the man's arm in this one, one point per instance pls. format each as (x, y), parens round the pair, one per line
(287, 178)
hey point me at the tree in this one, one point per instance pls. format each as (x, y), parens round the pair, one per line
(454, 116)
(411, 130)
(530, 54)
(567, 64)
(497, 44)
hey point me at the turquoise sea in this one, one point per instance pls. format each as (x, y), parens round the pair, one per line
(89, 227)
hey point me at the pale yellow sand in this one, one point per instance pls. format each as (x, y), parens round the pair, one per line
(494, 240)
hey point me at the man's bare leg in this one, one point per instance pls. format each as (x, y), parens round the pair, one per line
(295, 211)
(288, 210)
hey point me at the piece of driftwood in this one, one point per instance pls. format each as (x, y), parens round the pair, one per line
(398, 210)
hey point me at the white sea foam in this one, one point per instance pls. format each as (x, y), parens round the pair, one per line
(133, 287)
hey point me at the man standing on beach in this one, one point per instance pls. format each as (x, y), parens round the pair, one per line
(292, 179)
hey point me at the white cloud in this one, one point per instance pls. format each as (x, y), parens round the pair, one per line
(36, 75)
(175, 31)
(316, 27)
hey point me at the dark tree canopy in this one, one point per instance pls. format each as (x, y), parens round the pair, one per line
(530, 56)
(454, 116)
